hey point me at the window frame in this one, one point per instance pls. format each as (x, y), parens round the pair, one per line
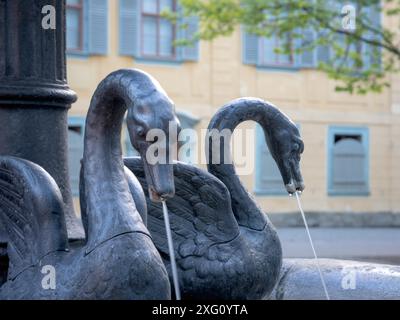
(81, 8)
(296, 58)
(276, 64)
(158, 17)
(362, 131)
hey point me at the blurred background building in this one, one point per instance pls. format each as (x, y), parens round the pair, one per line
(351, 163)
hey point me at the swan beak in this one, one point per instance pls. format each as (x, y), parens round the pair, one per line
(292, 187)
(291, 174)
(160, 181)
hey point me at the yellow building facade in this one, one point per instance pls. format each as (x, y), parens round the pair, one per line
(323, 115)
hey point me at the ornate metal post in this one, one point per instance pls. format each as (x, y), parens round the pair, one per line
(34, 95)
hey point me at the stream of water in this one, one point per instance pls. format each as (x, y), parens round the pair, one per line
(312, 245)
(171, 252)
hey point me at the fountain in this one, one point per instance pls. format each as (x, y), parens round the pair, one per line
(215, 243)
(231, 207)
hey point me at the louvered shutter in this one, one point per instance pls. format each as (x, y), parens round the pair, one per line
(307, 57)
(250, 48)
(349, 167)
(190, 52)
(98, 26)
(129, 27)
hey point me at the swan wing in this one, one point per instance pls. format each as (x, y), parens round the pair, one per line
(200, 213)
(31, 213)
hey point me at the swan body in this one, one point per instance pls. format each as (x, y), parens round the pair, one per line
(226, 247)
(214, 258)
(119, 259)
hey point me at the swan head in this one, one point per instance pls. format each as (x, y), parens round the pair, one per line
(286, 147)
(153, 129)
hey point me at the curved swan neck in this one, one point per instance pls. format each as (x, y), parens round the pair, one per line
(110, 207)
(244, 109)
(229, 117)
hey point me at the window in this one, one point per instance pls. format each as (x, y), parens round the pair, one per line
(87, 27)
(268, 56)
(144, 34)
(75, 25)
(348, 172)
(76, 127)
(260, 51)
(158, 34)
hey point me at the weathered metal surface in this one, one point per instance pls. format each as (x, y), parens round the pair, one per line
(119, 259)
(226, 246)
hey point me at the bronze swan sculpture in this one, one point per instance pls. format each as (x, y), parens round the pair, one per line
(119, 260)
(225, 245)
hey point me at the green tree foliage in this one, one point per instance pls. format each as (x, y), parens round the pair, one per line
(360, 57)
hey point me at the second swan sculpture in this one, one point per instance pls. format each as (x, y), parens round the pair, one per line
(119, 260)
(226, 247)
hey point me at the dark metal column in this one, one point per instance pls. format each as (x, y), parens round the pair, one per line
(34, 95)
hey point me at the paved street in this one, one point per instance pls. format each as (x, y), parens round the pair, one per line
(370, 244)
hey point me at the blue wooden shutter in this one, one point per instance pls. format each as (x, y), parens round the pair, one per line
(250, 48)
(266, 53)
(307, 58)
(373, 55)
(72, 26)
(268, 177)
(345, 61)
(191, 26)
(349, 161)
(129, 27)
(98, 26)
(323, 53)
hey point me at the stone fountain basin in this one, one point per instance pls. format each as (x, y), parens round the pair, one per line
(345, 280)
